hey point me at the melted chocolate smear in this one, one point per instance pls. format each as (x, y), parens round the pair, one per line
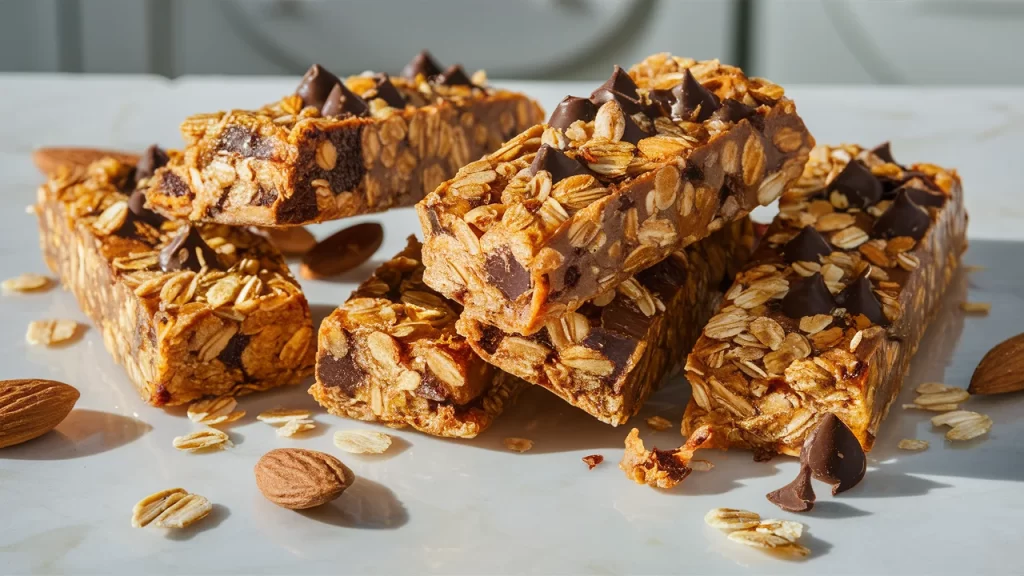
(798, 495)
(423, 63)
(859, 298)
(571, 109)
(342, 101)
(834, 455)
(505, 272)
(733, 110)
(693, 101)
(387, 92)
(808, 297)
(344, 373)
(231, 355)
(903, 218)
(454, 76)
(557, 163)
(620, 82)
(183, 252)
(316, 86)
(858, 184)
(884, 151)
(153, 158)
(807, 246)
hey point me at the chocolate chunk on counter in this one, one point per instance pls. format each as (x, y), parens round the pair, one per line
(807, 246)
(834, 455)
(856, 182)
(423, 63)
(798, 495)
(188, 251)
(808, 297)
(571, 109)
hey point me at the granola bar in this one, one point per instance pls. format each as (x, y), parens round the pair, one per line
(832, 306)
(391, 354)
(611, 353)
(190, 311)
(653, 161)
(335, 149)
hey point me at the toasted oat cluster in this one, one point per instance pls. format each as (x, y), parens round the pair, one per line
(611, 353)
(338, 148)
(391, 354)
(566, 211)
(190, 311)
(826, 316)
(661, 468)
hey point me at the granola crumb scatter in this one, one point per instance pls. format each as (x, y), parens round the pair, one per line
(659, 423)
(295, 426)
(747, 528)
(731, 519)
(981, 308)
(202, 440)
(215, 411)
(518, 444)
(593, 460)
(50, 332)
(913, 445)
(283, 415)
(964, 424)
(660, 468)
(362, 441)
(27, 283)
(174, 508)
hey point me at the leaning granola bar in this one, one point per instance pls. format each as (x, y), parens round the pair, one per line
(565, 211)
(391, 354)
(335, 149)
(610, 354)
(190, 311)
(832, 306)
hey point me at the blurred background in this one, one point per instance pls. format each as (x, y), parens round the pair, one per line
(820, 41)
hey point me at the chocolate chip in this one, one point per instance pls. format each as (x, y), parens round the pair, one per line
(903, 218)
(620, 82)
(341, 101)
(431, 388)
(387, 92)
(616, 347)
(798, 495)
(454, 76)
(423, 63)
(344, 373)
(154, 157)
(693, 101)
(557, 163)
(231, 355)
(859, 298)
(182, 253)
(245, 142)
(808, 297)
(834, 455)
(923, 197)
(628, 105)
(633, 132)
(172, 185)
(856, 182)
(571, 109)
(661, 103)
(806, 246)
(505, 272)
(316, 86)
(571, 278)
(490, 338)
(137, 207)
(733, 110)
(884, 152)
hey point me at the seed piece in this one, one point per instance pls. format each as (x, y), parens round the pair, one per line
(518, 444)
(593, 460)
(767, 541)
(659, 423)
(202, 440)
(283, 415)
(976, 307)
(954, 396)
(212, 410)
(912, 444)
(362, 441)
(955, 417)
(27, 283)
(294, 426)
(970, 429)
(933, 388)
(174, 508)
(731, 519)
(50, 332)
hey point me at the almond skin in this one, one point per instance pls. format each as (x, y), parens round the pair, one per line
(48, 160)
(1001, 370)
(30, 408)
(299, 479)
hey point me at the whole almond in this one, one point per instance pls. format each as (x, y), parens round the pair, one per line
(30, 408)
(48, 160)
(1001, 370)
(342, 251)
(299, 479)
(292, 241)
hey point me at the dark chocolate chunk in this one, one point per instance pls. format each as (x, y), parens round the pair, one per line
(423, 63)
(137, 208)
(808, 297)
(733, 110)
(834, 455)
(633, 132)
(505, 272)
(806, 246)
(571, 109)
(341, 100)
(182, 253)
(173, 185)
(614, 346)
(622, 317)
(557, 163)
(316, 86)
(387, 92)
(903, 218)
(231, 355)
(244, 141)
(620, 82)
(154, 157)
(628, 105)
(343, 373)
(858, 184)
(859, 298)
(922, 197)
(798, 495)
(661, 102)
(490, 338)
(693, 101)
(431, 388)
(571, 277)
(884, 151)
(454, 76)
